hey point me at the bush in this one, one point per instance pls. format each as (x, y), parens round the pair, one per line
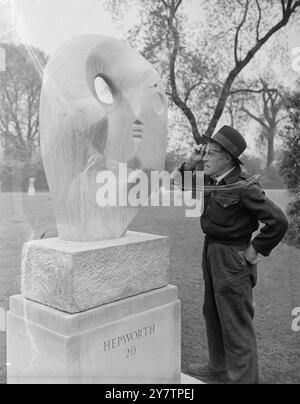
(252, 165)
(293, 212)
(290, 168)
(271, 179)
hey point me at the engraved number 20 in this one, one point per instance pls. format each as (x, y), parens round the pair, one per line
(130, 352)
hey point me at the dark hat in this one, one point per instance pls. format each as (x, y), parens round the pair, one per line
(231, 140)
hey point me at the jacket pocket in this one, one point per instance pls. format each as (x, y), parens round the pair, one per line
(227, 201)
(224, 210)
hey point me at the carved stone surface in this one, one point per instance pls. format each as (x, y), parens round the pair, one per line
(136, 340)
(77, 276)
(83, 134)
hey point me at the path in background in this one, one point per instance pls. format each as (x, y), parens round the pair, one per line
(280, 197)
(275, 296)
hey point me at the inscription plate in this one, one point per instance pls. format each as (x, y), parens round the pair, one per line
(129, 338)
(137, 340)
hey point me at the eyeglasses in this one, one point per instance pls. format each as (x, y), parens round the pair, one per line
(213, 153)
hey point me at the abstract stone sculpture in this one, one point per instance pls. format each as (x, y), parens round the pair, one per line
(84, 133)
(95, 305)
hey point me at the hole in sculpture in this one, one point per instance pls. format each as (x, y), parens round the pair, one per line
(103, 91)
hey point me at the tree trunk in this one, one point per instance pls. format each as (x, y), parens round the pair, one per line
(17, 180)
(271, 147)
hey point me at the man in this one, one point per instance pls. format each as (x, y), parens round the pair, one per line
(233, 207)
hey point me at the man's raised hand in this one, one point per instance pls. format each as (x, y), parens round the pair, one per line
(196, 157)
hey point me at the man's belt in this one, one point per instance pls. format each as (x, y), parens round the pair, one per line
(241, 241)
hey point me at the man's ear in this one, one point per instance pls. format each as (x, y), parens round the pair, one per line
(230, 161)
(228, 158)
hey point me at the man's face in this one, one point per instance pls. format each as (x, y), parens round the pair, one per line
(215, 160)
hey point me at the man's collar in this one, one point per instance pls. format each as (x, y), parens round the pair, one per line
(224, 175)
(233, 176)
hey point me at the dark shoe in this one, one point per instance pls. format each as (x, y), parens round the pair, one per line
(207, 374)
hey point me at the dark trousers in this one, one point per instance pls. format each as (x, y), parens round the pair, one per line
(228, 311)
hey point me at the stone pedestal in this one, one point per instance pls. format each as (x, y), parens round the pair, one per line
(134, 340)
(96, 312)
(77, 276)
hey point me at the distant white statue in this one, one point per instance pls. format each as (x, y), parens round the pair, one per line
(102, 104)
(31, 188)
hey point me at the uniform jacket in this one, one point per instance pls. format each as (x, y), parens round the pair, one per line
(233, 215)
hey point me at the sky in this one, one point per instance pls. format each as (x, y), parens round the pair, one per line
(47, 24)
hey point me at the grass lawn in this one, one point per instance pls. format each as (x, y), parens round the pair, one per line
(277, 293)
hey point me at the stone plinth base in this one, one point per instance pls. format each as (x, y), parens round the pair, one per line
(76, 276)
(186, 379)
(135, 340)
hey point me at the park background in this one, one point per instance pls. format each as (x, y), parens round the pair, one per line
(223, 62)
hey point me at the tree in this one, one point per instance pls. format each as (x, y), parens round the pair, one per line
(290, 166)
(267, 111)
(206, 72)
(272, 103)
(20, 86)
